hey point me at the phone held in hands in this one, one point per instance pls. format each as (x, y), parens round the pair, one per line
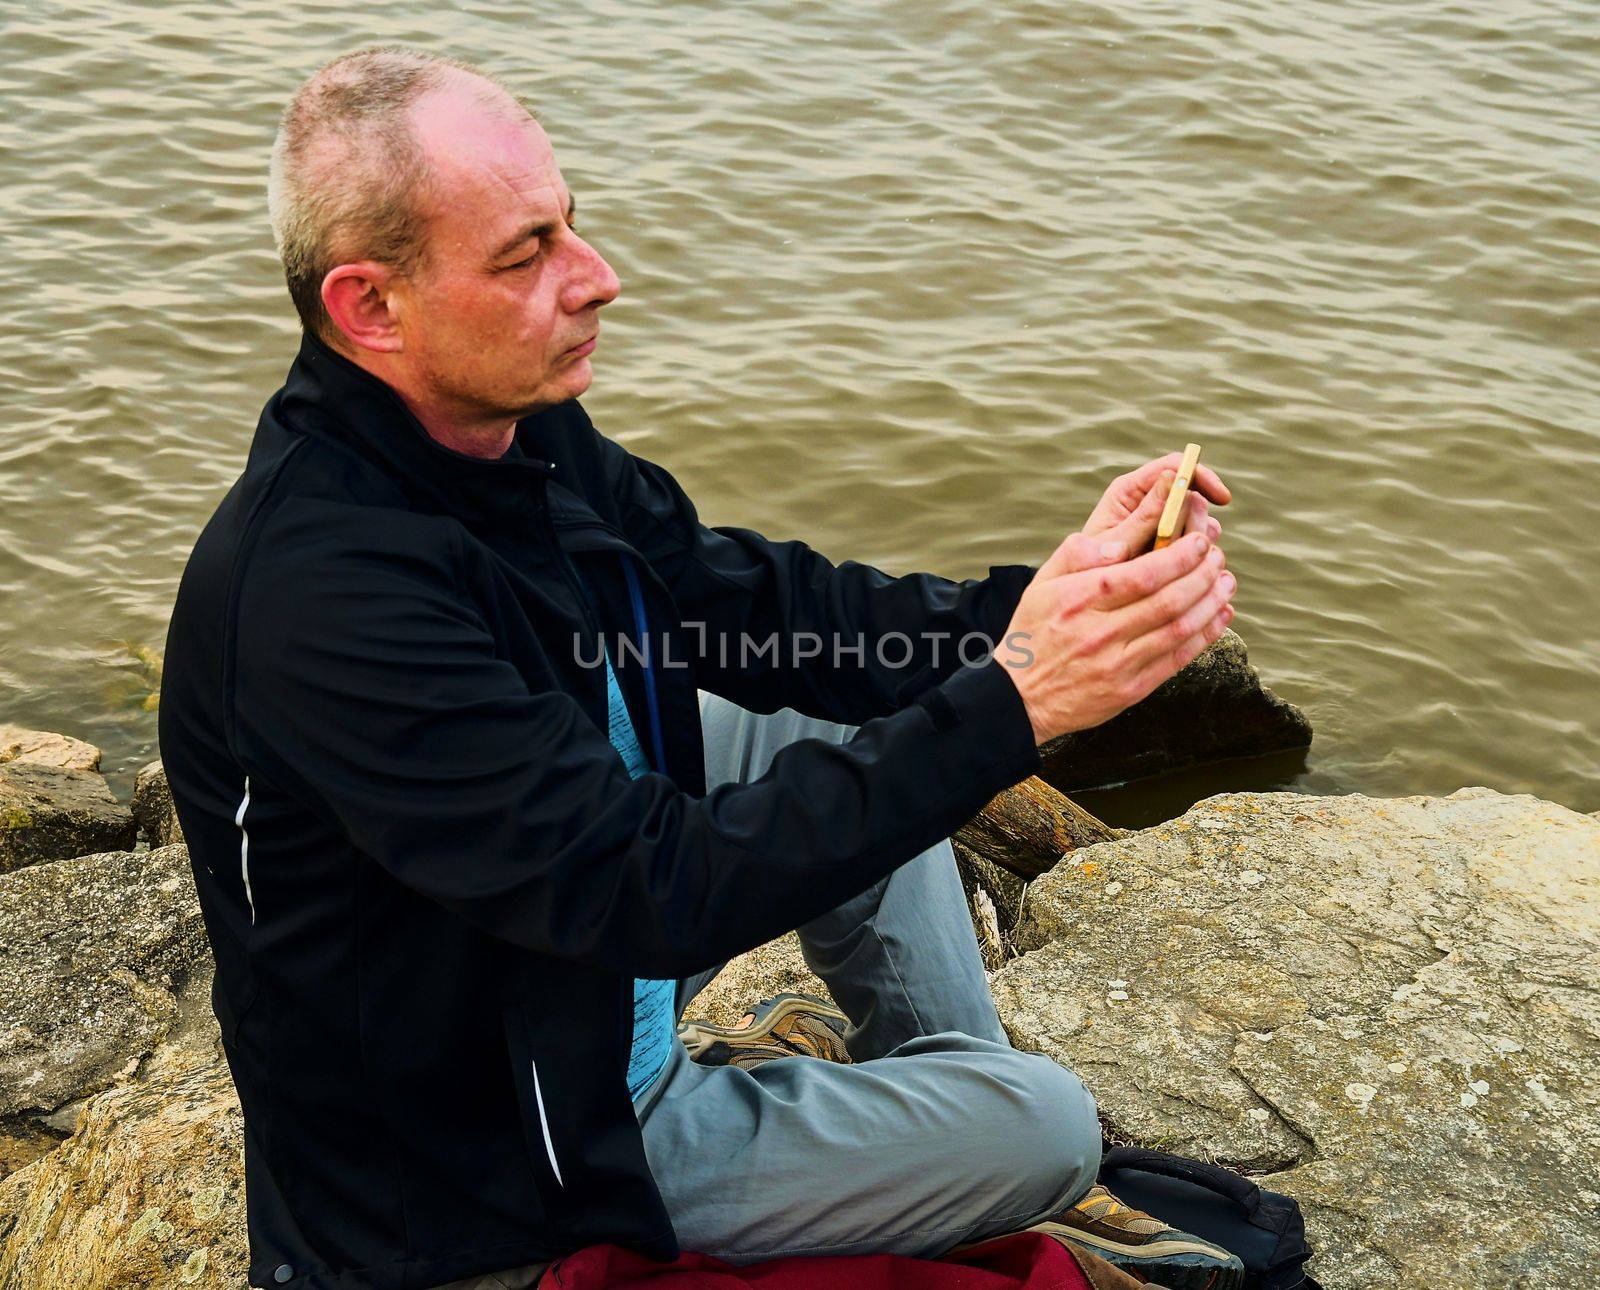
(1169, 528)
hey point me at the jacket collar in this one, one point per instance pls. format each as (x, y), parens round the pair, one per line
(328, 396)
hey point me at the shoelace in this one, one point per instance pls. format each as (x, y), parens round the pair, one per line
(811, 1035)
(1101, 1204)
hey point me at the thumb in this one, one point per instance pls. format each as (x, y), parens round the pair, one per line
(1080, 551)
(1138, 530)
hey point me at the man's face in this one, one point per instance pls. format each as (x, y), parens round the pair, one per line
(508, 288)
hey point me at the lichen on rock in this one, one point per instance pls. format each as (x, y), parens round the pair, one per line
(148, 1192)
(1392, 1006)
(52, 812)
(91, 952)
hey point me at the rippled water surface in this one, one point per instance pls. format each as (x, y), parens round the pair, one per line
(911, 281)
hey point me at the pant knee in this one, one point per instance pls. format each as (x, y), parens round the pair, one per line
(1062, 1131)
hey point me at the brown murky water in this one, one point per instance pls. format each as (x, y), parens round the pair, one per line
(911, 282)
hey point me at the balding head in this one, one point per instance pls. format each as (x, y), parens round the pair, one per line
(350, 173)
(427, 231)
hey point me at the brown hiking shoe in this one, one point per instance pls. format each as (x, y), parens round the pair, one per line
(1100, 1274)
(1096, 1271)
(1141, 1244)
(786, 1025)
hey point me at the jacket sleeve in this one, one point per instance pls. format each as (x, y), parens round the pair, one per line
(367, 686)
(776, 624)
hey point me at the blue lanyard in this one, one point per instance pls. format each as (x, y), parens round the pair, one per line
(637, 598)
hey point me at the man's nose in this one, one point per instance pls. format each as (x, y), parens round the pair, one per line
(594, 282)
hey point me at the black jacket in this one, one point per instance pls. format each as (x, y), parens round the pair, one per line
(426, 875)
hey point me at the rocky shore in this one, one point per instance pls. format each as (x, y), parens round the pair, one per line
(1388, 1008)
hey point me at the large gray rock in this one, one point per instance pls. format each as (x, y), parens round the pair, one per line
(148, 1192)
(1214, 709)
(91, 952)
(149, 1189)
(152, 806)
(45, 748)
(54, 812)
(1391, 1006)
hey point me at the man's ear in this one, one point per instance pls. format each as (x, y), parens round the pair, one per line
(359, 299)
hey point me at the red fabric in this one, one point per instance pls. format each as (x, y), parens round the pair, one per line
(1024, 1261)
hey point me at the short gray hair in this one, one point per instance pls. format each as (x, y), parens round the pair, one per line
(348, 174)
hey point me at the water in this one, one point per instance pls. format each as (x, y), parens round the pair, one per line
(911, 282)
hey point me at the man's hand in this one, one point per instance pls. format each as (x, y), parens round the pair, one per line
(1141, 494)
(1103, 632)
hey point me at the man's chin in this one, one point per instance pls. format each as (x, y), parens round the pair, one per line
(569, 383)
(576, 376)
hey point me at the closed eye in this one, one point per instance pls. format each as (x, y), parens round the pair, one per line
(523, 264)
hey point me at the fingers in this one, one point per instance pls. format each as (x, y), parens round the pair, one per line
(1142, 477)
(1134, 534)
(1206, 480)
(1090, 549)
(1197, 518)
(1210, 484)
(1079, 552)
(1178, 610)
(1152, 483)
(1144, 575)
(1169, 662)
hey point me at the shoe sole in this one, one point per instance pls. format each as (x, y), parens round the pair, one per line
(697, 1036)
(1177, 1265)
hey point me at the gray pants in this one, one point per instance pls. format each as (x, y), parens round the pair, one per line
(942, 1133)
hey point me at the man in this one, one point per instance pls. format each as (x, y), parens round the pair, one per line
(432, 718)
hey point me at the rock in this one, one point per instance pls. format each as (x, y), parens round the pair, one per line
(43, 748)
(91, 952)
(194, 1035)
(148, 1192)
(14, 1191)
(1391, 1007)
(24, 1140)
(54, 812)
(153, 808)
(1215, 708)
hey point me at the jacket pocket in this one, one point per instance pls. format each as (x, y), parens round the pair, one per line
(541, 1119)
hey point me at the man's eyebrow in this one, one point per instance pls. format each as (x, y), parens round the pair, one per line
(536, 230)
